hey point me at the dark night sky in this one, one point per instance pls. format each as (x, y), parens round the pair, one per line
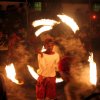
(69, 1)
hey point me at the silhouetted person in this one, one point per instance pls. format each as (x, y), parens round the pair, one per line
(3, 94)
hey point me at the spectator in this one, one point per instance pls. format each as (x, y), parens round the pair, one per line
(3, 94)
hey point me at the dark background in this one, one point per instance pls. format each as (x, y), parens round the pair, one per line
(67, 1)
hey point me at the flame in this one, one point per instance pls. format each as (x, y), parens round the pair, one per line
(69, 21)
(47, 24)
(93, 72)
(44, 22)
(43, 29)
(11, 74)
(35, 75)
(43, 49)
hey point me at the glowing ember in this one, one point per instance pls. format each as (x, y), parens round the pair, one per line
(43, 29)
(44, 22)
(11, 74)
(35, 75)
(69, 21)
(93, 72)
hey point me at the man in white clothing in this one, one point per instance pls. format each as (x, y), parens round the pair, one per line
(48, 64)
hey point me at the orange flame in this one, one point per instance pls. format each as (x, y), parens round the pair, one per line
(69, 21)
(93, 72)
(35, 75)
(44, 22)
(11, 73)
(47, 24)
(43, 49)
(43, 29)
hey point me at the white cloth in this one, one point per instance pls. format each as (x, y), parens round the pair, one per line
(48, 64)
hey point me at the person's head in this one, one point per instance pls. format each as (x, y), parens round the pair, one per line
(49, 44)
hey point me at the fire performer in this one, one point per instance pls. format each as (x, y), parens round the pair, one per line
(48, 65)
